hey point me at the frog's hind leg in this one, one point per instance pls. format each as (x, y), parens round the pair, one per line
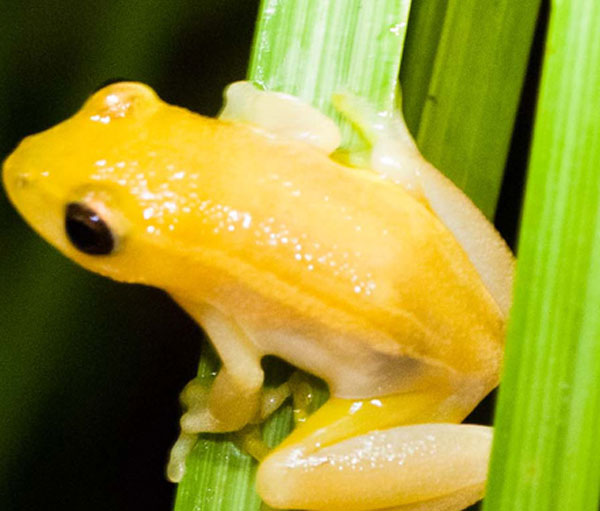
(381, 455)
(458, 500)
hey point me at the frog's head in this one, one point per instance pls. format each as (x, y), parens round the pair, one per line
(89, 184)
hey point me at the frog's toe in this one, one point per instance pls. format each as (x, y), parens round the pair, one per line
(438, 467)
(197, 417)
(281, 115)
(178, 455)
(272, 399)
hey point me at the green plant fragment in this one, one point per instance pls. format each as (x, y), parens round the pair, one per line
(461, 96)
(545, 453)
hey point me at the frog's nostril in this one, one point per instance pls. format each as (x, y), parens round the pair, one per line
(22, 180)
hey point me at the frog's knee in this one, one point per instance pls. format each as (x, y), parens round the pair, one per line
(439, 466)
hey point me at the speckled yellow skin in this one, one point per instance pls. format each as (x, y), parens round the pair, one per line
(335, 269)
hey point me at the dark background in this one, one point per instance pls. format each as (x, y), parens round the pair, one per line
(90, 370)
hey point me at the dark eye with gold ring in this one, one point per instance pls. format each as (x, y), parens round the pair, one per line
(87, 231)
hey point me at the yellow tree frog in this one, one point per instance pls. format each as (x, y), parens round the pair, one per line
(384, 281)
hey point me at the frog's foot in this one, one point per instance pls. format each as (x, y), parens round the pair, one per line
(198, 418)
(225, 406)
(394, 154)
(433, 467)
(281, 115)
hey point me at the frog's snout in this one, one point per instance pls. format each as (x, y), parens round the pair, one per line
(22, 180)
(15, 176)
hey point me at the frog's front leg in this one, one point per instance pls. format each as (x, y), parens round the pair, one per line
(235, 396)
(347, 456)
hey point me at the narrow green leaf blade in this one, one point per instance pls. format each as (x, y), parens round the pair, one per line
(545, 454)
(425, 26)
(462, 105)
(313, 49)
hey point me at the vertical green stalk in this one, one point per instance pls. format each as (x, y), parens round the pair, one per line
(425, 24)
(545, 454)
(462, 76)
(312, 49)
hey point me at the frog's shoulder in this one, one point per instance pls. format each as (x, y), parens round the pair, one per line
(279, 115)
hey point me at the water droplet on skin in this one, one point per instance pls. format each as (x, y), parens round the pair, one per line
(397, 29)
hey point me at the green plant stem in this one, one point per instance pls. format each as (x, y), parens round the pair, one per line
(312, 49)
(545, 454)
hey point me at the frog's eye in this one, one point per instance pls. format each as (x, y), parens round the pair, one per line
(87, 231)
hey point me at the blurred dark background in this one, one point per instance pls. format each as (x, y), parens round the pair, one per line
(90, 370)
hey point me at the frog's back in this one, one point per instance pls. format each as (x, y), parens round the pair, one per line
(294, 245)
(336, 247)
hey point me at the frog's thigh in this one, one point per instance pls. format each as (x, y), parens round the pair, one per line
(443, 465)
(458, 500)
(436, 466)
(235, 396)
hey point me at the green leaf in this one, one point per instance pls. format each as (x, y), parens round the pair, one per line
(461, 98)
(545, 454)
